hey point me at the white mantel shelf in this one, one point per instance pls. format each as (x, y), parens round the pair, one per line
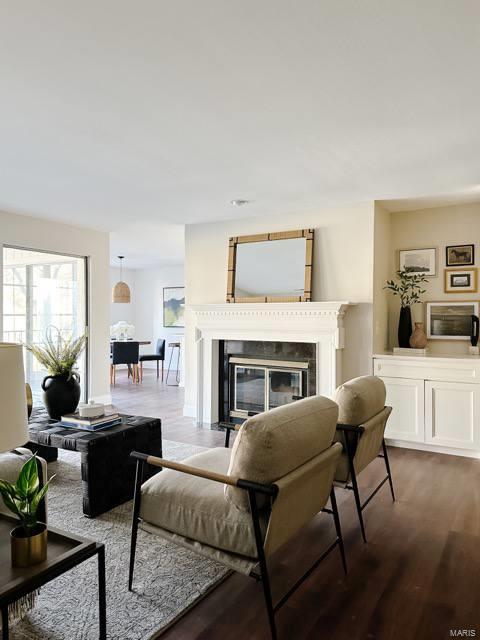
(321, 323)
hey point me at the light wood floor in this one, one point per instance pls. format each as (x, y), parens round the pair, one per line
(158, 400)
(417, 578)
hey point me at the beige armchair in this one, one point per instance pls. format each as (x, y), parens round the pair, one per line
(362, 420)
(239, 506)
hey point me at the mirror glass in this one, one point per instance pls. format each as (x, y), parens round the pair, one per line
(270, 268)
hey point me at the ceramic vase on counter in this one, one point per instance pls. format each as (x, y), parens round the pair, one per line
(418, 339)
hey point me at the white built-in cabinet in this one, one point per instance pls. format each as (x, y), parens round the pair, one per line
(435, 400)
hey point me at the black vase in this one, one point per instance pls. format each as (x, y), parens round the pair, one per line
(404, 327)
(61, 395)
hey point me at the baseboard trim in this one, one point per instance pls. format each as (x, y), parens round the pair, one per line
(421, 446)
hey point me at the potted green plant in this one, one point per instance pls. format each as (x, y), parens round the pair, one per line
(409, 288)
(29, 539)
(59, 356)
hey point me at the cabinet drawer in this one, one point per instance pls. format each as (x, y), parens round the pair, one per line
(450, 370)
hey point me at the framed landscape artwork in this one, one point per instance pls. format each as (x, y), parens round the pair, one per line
(460, 255)
(421, 261)
(173, 307)
(460, 280)
(450, 320)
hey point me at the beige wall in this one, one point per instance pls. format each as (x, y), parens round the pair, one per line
(343, 270)
(438, 228)
(382, 269)
(34, 233)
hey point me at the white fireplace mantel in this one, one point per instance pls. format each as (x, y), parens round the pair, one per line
(320, 323)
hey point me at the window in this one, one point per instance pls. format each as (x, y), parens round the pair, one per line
(43, 291)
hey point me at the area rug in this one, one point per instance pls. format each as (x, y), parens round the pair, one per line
(168, 579)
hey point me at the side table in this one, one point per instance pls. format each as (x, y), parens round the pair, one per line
(65, 551)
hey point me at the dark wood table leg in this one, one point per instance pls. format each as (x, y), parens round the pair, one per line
(5, 635)
(102, 603)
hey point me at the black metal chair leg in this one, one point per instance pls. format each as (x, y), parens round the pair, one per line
(357, 502)
(387, 465)
(338, 529)
(263, 564)
(136, 511)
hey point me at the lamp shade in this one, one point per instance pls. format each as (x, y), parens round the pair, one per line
(121, 293)
(13, 401)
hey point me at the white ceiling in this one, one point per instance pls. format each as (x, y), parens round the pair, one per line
(117, 113)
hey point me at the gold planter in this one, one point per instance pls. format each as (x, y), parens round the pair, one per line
(28, 550)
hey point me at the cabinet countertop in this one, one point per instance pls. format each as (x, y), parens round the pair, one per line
(429, 356)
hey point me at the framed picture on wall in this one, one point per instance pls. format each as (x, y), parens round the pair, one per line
(450, 320)
(173, 307)
(461, 280)
(460, 255)
(421, 261)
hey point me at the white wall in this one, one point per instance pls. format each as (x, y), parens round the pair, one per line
(34, 233)
(343, 270)
(149, 284)
(145, 310)
(436, 227)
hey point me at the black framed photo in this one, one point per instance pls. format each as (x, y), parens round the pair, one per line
(173, 307)
(460, 255)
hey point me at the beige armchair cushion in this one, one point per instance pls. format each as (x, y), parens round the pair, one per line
(360, 399)
(272, 444)
(196, 508)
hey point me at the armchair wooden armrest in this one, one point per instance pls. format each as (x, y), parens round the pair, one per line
(268, 489)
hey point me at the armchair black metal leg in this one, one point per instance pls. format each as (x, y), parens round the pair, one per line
(357, 502)
(227, 438)
(102, 606)
(387, 465)
(263, 564)
(338, 529)
(5, 634)
(136, 511)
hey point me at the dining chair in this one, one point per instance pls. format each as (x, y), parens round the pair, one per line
(158, 356)
(125, 353)
(361, 427)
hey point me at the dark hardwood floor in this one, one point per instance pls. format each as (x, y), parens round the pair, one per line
(418, 577)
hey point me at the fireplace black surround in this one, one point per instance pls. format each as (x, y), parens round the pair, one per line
(257, 375)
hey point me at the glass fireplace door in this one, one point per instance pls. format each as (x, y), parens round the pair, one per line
(284, 387)
(250, 389)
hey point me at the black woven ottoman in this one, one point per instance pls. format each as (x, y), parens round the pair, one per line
(108, 472)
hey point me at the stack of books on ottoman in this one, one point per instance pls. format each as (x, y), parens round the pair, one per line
(90, 423)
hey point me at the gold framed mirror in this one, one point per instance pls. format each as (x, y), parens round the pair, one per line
(271, 267)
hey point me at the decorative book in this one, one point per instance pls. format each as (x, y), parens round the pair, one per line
(90, 424)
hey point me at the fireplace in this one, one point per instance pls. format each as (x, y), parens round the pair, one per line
(257, 376)
(317, 328)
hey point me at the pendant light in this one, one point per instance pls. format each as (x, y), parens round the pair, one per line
(121, 291)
